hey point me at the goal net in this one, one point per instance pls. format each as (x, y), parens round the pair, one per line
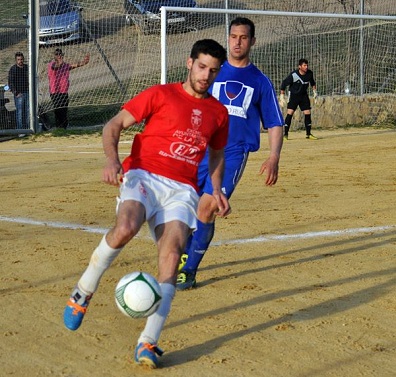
(349, 54)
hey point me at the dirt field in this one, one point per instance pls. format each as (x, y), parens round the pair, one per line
(299, 283)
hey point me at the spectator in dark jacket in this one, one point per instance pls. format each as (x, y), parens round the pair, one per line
(18, 81)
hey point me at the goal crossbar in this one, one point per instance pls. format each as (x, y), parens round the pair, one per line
(278, 13)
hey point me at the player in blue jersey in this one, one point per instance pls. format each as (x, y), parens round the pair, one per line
(251, 100)
(298, 82)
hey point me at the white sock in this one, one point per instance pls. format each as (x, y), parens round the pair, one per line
(156, 321)
(100, 261)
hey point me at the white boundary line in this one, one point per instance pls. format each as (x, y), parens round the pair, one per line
(54, 224)
(282, 237)
(58, 151)
(326, 233)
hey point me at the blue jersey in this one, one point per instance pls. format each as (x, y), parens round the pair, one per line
(250, 98)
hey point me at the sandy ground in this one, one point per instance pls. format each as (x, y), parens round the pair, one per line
(300, 280)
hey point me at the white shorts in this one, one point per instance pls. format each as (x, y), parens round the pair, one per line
(164, 199)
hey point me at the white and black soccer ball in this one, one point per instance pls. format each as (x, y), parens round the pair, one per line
(138, 294)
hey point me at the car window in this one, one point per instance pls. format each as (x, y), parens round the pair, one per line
(54, 7)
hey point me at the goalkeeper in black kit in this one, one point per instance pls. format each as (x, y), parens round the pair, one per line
(298, 82)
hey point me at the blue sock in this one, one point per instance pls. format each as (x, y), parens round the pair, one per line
(200, 242)
(188, 245)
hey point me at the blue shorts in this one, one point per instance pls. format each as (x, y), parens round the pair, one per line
(234, 166)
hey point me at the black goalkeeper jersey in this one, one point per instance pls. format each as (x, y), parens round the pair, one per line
(298, 84)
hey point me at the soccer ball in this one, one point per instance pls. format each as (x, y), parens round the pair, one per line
(138, 294)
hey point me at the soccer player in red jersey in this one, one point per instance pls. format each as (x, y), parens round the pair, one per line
(159, 181)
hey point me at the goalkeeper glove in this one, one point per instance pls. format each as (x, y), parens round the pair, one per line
(282, 101)
(315, 96)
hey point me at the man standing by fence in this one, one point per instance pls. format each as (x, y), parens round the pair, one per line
(58, 76)
(18, 81)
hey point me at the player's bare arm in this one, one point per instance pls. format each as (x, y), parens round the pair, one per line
(110, 140)
(223, 205)
(216, 166)
(271, 165)
(81, 63)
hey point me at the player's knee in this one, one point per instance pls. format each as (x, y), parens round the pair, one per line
(124, 232)
(207, 214)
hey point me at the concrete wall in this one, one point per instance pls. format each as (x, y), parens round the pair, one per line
(341, 111)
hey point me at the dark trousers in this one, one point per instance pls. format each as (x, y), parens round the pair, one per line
(60, 102)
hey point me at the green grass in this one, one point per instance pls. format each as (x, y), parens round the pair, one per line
(11, 15)
(88, 116)
(11, 11)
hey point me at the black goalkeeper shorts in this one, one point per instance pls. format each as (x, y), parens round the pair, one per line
(299, 101)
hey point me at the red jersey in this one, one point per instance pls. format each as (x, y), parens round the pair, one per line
(178, 129)
(58, 77)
